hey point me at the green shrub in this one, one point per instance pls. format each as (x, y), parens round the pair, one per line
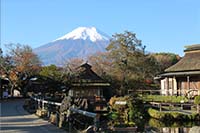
(168, 116)
(159, 98)
(113, 115)
(175, 114)
(132, 110)
(131, 124)
(156, 123)
(197, 100)
(180, 116)
(155, 114)
(195, 116)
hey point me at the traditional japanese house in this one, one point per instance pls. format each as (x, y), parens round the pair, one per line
(89, 87)
(183, 78)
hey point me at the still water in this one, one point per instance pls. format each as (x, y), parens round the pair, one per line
(155, 126)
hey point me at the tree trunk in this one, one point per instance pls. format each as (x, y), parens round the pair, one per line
(12, 90)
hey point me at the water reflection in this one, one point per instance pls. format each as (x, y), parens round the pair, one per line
(155, 126)
(175, 130)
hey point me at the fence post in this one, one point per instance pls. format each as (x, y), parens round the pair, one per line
(96, 122)
(57, 117)
(38, 104)
(198, 108)
(43, 104)
(48, 110)
(160, 106)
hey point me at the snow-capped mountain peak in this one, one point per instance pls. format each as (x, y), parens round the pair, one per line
(84, 33)
(80, 43)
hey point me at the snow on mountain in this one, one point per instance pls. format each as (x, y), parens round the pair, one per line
(84, 33)
(80, 43)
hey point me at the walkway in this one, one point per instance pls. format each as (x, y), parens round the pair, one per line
(14, 119)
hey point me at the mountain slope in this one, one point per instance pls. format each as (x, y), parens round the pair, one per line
(80, 43)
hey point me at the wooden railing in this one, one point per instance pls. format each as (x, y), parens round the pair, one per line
(186, 92)
(187, 107)
(41, 104)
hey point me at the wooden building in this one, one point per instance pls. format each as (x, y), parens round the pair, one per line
(183, 78)
(87, 85)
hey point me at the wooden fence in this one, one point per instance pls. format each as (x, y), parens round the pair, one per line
(42, 103)
(179, 107)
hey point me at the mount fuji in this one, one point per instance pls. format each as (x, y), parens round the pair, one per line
(79, 43)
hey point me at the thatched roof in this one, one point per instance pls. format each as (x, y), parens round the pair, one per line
(192, 47)
(190, 62)
(86, 73)
(87, 77)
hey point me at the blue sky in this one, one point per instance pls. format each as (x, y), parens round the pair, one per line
(162, 25)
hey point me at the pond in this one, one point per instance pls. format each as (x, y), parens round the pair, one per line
(153, 125)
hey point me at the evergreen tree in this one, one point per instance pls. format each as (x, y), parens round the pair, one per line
(131, 66)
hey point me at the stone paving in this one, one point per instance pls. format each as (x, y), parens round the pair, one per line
(14, 119)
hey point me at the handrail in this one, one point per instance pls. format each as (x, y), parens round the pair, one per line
(45, 101)
(86, 113)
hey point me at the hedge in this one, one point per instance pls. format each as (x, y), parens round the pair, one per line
(197, 100)
(172, 115)
(160, 98)
(157, 123)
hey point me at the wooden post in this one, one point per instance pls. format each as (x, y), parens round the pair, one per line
(61, 119)
(38, 104)
(167, 86)
(57, 118)
(42, 104)
(160, 106)
(188, 83)
(173, 85)
(96, 122)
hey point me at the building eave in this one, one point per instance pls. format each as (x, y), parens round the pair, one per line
(185, 73)
(91, 84)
